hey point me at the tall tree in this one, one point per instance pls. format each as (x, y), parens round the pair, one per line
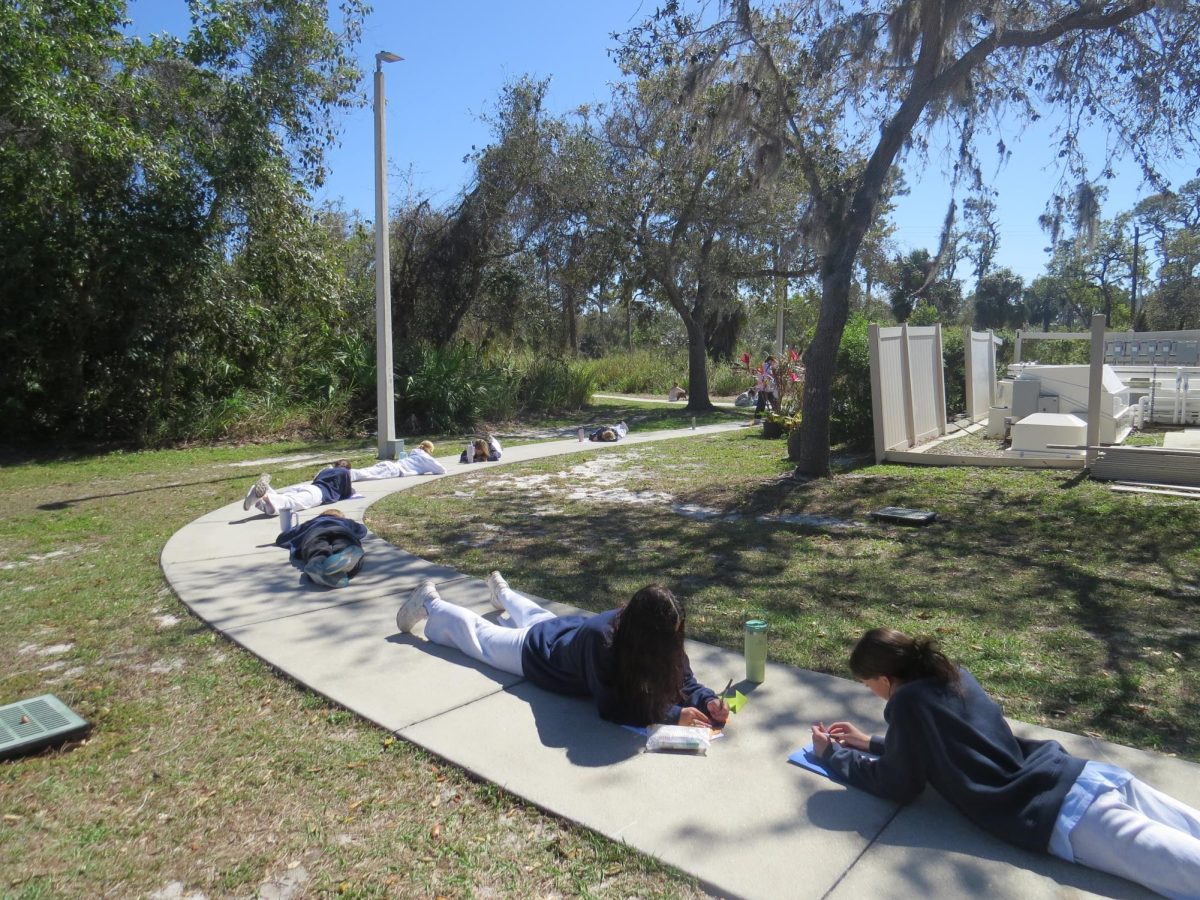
(712, 209)
(998, 299)
(915, 277)
(1172, 219)
(879, 75)
(137, 184)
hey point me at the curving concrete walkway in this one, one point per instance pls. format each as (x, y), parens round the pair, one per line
(742, 820)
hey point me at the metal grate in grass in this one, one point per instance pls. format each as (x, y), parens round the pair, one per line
(29, 725)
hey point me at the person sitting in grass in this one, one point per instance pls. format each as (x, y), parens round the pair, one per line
(419, 462)
(608, 433)
(676, 393)
(630, 660)
(945, 731)
(329, 486)
(485, 449)
(747, 397)
(328, 548)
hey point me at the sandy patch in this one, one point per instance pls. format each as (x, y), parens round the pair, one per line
(271, 460)
(174, 890)
(284, 887)
(39, 557)
(51, 650)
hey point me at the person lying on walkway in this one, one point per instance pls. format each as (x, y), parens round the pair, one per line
(609, 432)
(676, 393)
(330, 485)
(328, 548)
(944, 730)
(630, 660)
(419, 462)
(485, 449)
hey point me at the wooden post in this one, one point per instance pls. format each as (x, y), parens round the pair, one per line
(1095, 392)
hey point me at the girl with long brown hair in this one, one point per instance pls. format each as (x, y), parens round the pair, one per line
(630, 660)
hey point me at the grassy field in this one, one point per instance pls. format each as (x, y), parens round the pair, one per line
(1076, 606)
(206, 772)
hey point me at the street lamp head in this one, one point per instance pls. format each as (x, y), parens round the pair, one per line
(385, 56)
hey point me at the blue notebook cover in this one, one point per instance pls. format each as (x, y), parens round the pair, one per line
(806, 759)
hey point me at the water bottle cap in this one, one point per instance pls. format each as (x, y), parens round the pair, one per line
(756, 625)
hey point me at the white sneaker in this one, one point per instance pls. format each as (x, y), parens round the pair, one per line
(496, 584)
(413, 610)
(257, 489)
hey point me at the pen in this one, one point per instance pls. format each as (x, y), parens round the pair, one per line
(725, 690)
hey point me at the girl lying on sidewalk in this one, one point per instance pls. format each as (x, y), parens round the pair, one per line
(945, 731)
(485, 449)
(419, 462)
(328, 549)
(630, 660)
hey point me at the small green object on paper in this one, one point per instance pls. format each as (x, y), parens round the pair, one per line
(736, 702)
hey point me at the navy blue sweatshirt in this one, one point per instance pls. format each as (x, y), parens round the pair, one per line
(334, 483)
(573, 655)
(955, 738)
(300, 538)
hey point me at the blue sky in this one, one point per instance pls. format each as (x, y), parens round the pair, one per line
(459, 53)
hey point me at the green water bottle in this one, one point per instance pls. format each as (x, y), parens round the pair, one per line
(756, 650)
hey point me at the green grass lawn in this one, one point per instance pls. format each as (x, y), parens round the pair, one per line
(204, 767)
(1074, 605)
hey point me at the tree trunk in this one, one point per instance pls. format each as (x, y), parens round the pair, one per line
(697, 366)
(570, 313)
(808, 445)
(627, 299)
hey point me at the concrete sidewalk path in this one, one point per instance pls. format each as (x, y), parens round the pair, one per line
(679, 404)
(742, 820)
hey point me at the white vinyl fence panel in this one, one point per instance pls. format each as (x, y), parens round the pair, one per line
(908, 398)
(980, 349)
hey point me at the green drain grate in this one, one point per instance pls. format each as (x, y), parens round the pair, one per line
(30, 725)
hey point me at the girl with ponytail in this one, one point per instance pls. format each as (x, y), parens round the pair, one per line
(943, 730)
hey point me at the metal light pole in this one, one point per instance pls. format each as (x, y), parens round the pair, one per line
(385, 391)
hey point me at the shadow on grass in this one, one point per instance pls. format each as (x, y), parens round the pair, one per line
(1018, 571)
(174, 485)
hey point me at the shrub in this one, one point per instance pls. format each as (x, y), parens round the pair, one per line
(654, 371)
(850, 414)
(954, 370)
(443, 387)
(452, 388)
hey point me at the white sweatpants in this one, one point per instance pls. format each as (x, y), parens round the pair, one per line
(1141, 834)
(385, 468)
(296, 497)
(416, 463)
(497, 645)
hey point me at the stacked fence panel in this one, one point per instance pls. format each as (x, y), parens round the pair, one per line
(1149, 465)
